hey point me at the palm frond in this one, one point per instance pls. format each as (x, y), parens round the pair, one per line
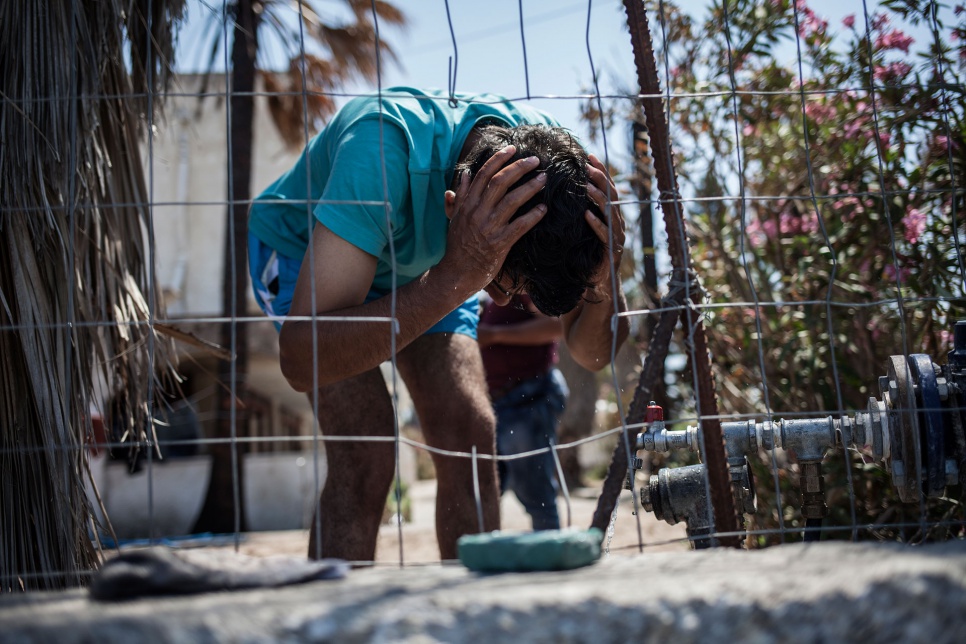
(389, 13)
(385, 11)
(75, 282)
(299, 100)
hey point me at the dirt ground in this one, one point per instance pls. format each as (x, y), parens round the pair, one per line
(419, 534)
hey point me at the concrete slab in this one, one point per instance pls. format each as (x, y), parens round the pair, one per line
(827, 592)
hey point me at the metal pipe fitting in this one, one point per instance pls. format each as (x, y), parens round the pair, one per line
(663, 440)
(813, 490)
(809, 438)
(678, 494)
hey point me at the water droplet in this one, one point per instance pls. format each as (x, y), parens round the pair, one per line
(610, 527)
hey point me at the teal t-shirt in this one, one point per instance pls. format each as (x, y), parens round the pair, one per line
(382, 164)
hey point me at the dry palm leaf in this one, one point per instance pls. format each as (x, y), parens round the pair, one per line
(78, 86)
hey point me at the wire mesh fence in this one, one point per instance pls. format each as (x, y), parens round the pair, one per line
(792, 190)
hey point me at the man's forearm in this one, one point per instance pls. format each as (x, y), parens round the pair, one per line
(319, 352)
(540, 330)
(590, 337)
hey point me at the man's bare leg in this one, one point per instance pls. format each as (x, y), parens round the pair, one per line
(359, 472)
(444, 375)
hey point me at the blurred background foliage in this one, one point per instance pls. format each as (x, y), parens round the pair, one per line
(823, 167)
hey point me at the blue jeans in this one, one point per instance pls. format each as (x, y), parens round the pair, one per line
(526, 420)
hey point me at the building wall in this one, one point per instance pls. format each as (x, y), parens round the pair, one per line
(188, 170)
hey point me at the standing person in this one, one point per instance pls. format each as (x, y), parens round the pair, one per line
(519, 348)
(405, 206)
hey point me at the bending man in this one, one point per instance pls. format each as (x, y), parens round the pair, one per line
(440, 202)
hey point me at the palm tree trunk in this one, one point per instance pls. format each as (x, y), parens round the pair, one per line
(223, 510)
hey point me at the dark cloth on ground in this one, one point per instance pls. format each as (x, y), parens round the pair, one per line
(163, 571)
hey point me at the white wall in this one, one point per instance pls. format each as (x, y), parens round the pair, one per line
(186, 165)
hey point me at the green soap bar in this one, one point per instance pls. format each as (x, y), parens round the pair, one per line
(530, 551)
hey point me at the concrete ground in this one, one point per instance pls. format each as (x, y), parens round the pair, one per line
(824, 592)
(419, 534)
(821, 592)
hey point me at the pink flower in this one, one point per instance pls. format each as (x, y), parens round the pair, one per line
(810, 223)
(811, 23)
(876, 334)
(819, 112)
(757, 234)
(892, 71)
(894, 39)
(890, 273)
(915, 224)
(849, 20)
(853, 128)
(789, 224)
(770, 228)
(879, 21)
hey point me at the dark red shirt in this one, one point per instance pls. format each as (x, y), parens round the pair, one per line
(507, 365)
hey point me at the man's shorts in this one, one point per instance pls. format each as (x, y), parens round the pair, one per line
(273, 282)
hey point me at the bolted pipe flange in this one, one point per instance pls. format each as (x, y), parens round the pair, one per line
(860, 429)
(903, 429)
(898, 474)
(942, 386)
(931, 426)
(952, 472)
(878, 427)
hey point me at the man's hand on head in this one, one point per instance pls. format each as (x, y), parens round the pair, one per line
(588, 329)
(603, 192)
(480, 231)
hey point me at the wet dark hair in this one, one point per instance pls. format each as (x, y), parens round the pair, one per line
(554, 261)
